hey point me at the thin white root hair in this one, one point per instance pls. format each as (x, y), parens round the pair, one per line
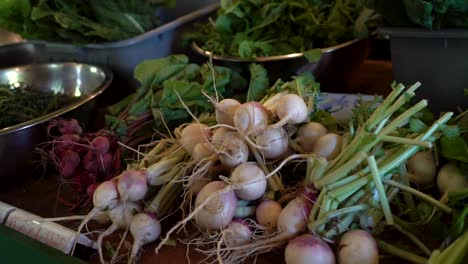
(111, 229)
(192, 215)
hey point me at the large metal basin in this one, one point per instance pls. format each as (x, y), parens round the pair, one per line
(19, 157)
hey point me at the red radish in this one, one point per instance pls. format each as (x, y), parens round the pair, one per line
(69, 162)
(274, 142)
(193, 134)
(328, 146)
(132, 185)
(267, 213)
(219, 211)
(106, 162)
(69, 126)
(357, 246)
(145, 228)
(237, 233)
(90, 162)
(68, 139)
(291, 109)
(225, 111)
(100, 144)
(251, 118)
(308, 248)
(450, 178)
(308, 134)
(251, 181)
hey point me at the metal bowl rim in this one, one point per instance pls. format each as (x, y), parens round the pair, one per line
(84, 99)
(206, 53)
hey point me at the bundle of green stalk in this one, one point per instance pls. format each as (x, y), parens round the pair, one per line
(327, 195)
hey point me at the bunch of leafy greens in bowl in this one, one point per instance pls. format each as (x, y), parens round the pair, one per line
(80, 21)
(255, 28)
(430, 14)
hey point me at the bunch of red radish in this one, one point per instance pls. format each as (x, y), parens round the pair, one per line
(83, 160)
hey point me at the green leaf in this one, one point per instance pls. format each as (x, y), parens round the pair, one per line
(450, 131)
(417, 125)
(326, 119)
(146, 71)
(454, 148)
(259, 82)
(313, 55)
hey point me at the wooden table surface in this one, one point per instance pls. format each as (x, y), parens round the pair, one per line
(372, 77)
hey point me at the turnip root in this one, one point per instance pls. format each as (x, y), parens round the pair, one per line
(203, 151)
(293, 219)
(120, 216)
(273, 142)
(308, 134)
(308, 248)
(225, 110)
(251, 118)
(193, 134)
(422, 168)
(291, 109)
(267, 213)
(328, 146)
(232, 150)
(251, 181)
(357, 246)
(237, 233)
(132, 185)
(450, 178)
(145, 228)
(217, 212)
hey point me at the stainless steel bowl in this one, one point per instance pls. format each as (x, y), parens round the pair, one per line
(18, 154)
(335, 63)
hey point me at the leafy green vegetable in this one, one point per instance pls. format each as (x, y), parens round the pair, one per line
(253, 28)
(168, 86)
(430, 14)
(258, 82)
(79, 21)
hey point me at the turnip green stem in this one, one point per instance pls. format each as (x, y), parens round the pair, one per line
(317, 170)
(419, 194)
(245, 211)
(380, 189)
(413, 238)
(387, 247)
(316, 206)
(455, 253)
(378, 114)
(341, 171)
(336, 213)
(408, 198)
(414, 142)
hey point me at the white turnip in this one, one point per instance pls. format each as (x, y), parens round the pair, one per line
(237, 233)
(422, 168)
(251, 118)
(193, 134)
(132, 185)
(450, 178)
(328, 146)
(308, 134)
(225, 110)
(145, 228)
(267, 213)
(251, 181)
(273, 142)
(357, 246)
(308, 248)
(291, 109)
(219, 211)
